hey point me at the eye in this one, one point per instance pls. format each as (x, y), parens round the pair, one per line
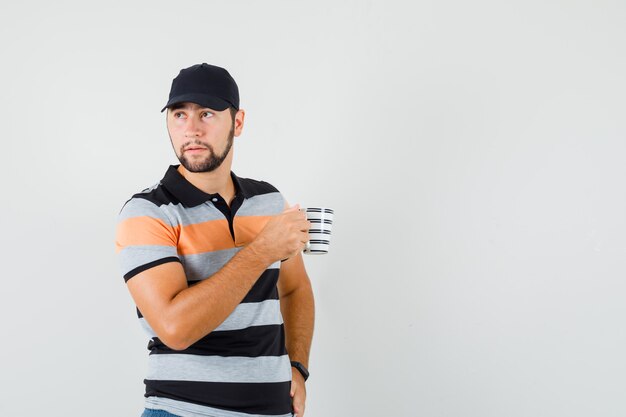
(178, 115)
(207, 114)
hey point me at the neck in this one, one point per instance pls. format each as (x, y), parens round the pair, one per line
(214, 182)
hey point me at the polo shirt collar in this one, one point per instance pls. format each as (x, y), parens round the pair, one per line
(189, 194)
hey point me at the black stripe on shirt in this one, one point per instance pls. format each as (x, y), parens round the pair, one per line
(255, 341)
(253, 398)
(263, 289)
(149, 265)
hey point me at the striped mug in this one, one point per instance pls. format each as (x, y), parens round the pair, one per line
(321, 220)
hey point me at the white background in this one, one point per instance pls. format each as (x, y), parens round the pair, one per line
(473, 152)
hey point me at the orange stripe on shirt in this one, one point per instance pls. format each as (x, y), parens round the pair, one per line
(144, 230)
(248, 227)
(205, 237)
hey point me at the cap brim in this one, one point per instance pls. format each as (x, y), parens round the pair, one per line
(212, 102)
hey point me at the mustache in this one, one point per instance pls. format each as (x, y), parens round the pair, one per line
(195, 142)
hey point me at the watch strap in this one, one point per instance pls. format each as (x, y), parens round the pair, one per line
(303, 371)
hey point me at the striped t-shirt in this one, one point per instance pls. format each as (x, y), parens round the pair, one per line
(240, 369)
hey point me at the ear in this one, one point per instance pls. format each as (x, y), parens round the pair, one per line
(239, 117)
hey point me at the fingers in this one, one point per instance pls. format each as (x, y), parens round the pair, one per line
(298, 398)
(299, 219)
(298, 251)
(286, 234)
(292, 209)
(297, 213)
(298, 404)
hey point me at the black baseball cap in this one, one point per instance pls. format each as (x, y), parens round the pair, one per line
(204, 84)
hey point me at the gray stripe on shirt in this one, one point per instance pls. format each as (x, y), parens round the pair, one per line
(262, 205)
(131, 257)
(199, 266)
(177, 214)
(252, 314)
(200, 368)
(245, 315)
(139, 207)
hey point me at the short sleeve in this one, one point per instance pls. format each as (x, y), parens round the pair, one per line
(145, 237)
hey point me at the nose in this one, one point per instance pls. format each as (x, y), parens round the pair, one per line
(192, 128)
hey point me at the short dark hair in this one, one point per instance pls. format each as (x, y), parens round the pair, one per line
(233, 112)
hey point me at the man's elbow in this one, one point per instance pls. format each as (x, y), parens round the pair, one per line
(175, 344)
(174, 338)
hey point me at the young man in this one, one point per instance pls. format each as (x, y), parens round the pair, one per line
(213, 263)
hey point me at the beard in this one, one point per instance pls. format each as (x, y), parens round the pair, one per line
(212, 161)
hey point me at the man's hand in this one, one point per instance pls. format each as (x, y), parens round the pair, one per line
(298, 392)
(284, 235)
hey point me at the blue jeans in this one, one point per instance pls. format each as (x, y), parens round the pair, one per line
(148, 412)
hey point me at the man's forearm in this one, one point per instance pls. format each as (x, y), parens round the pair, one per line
(199, 309)
(298, 310)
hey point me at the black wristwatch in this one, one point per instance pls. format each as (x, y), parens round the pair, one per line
(301, 369)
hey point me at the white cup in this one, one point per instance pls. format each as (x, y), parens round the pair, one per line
(321, 219)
